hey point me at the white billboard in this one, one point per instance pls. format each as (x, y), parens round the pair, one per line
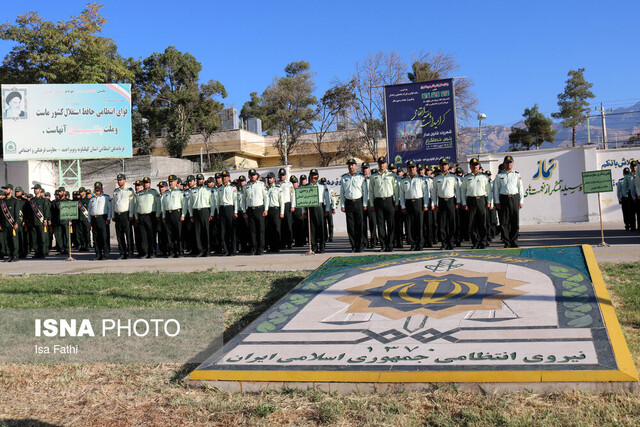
(66, 121)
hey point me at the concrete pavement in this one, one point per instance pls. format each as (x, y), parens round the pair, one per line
(624, 247)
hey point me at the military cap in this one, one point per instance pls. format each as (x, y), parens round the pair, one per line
(82, 190)
(508, 159)
(633, 163)
(282, 172)
(303, 177)
(47, 194)
(37, 187)
(293, 179)
(626, 171)
(18, 188)
(365, 165)
(474, 161)
(137, 183)
(224, 173)
(179, 180)
(436, 169)
(392, 166)
(162, 184)
(121, 176)
(271, 175)
(146, 179)
(66, 193)
(211, 179)
(382, 159)
(352, 162)
(172, 178)
(241, 178)
(410, 164)
(459, 170)
(420, 166)
(374, 171)
(444, 161)
(313, 172)
(218, 175)
(75, 193)
(323, 180)
(29, 195)
(427, 168)
(59, 189)
(191, 178)
(88, 191)
(199, 176)
(252, 172)
(98, 184)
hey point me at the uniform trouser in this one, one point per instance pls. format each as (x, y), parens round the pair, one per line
(40, 239)
(386, 220)
(23, 242)
(510, 218)
(62, 236)
(163, 241)
(286, 231)
(147, 237)
(242, 232)
(328, 225)
(299, 227)
(315, 216)
(123, 233)
(415, 222)
(227, 230)
(369, 221)
(462, 226)
(355, 225)
(273, 228)
(100, 235)
(427, 225)
(256, 228)
(477, 220)
(446, 220)
(188, 238)
(215, 234)
(636, 218)
(628, 213)
(83, 232)
(10, 240)
(201, 225)
(174, 231)
(398, 228)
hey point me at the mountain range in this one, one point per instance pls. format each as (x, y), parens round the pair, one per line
(621, 123)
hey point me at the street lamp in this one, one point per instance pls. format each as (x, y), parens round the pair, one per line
(481, 117)
(377, 134)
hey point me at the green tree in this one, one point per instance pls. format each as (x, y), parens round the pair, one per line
(64, 52)
(289, 106)
(252, 108)
(208, 120)
(573, 101)
(171, 99)
(537, 130)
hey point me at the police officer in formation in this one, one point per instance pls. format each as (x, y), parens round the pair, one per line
(508, 196)
(414, 201)
(100, 214)
(446, 187)
(383, 190)
(477, 200)
(315, 215)
(353, 199)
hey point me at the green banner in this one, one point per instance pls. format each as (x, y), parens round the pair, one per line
(597, 181)
(307, 197)
(68, 210)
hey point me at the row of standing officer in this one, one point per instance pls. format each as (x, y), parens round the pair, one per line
(628, 192)
(384, 193)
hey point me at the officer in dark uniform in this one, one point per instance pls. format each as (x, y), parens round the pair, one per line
(23, 239)
(61, 227)
(242, 226)
(9, 217)
(83, 229)
(315, 215)
(41, 221)
(369, 216)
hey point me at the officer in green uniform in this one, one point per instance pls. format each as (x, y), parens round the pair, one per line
(9, 218)
(242, 227)
(41, 221)
(227, 211)
(275, 214)
(414, 201)
(257, 206)
(83, 229)
(147, 210)
(477, 200)
(508, 196)
(383, 192)
(369, 216)
(201, 211)
(61, 227)
(123, 203)
(353, 200)
(446, 190)
(630, 190)
(163, 242)
(315, 215)
(100, 213)
(286, 236)
(173, 211)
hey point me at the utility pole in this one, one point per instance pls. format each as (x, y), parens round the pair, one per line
(604, 126)
(588, 130)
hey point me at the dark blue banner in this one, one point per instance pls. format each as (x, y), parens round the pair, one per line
(421, 122)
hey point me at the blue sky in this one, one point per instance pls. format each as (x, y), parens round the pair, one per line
(517, 53)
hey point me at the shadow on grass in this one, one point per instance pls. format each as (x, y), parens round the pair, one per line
(278, 289)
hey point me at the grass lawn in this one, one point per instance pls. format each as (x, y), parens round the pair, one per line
(146, 394)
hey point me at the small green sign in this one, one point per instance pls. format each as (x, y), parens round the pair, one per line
(307, 196)
(68, 210)
(597, 181)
